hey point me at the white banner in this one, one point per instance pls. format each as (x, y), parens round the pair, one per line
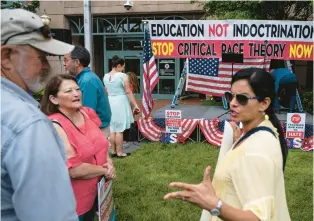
(231, 30)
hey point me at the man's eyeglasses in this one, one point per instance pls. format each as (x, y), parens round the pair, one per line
(242, 99)
(68, 60)
(45, 31)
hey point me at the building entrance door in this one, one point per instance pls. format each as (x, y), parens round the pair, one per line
(168, 69)
(133, 63)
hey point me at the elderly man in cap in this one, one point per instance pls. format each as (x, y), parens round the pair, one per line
(35, 184)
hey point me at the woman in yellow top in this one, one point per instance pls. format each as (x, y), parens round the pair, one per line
(248, 183)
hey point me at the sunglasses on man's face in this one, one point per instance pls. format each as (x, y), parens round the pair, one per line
(45, 31)
(242, 99)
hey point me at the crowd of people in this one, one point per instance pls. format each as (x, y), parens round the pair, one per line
(54, 153)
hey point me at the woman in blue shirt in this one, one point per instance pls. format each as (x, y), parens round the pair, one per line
(122, 103)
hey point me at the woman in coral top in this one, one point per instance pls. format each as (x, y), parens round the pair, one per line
(85, 145)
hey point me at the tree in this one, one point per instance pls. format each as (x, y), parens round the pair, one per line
(259, 10)
(27, 5)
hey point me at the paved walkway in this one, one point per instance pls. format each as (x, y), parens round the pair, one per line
(131, 146)
(158, 104)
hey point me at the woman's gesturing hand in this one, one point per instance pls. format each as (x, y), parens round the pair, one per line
(203, 195)
(236, 131)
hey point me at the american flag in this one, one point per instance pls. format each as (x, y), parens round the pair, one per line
(151, 131)
(150, 75)
(213, 77)
(213, 131)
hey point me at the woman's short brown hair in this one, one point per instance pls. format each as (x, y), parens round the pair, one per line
(52, 88)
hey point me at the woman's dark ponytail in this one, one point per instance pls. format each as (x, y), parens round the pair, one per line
(116, 60)
(263, 86)
(274, 120)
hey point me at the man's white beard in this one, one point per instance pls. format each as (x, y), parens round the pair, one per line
(37, 84)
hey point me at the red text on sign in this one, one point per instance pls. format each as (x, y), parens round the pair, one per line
(291, 134)
(174, 113)
(217, 30)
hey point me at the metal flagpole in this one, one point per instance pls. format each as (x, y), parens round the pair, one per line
(60, 61)
(180, 85)
(88, 39)
(225, 103)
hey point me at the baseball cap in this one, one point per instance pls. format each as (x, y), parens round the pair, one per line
(21, 27)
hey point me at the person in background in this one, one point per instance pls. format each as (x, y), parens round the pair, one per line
(35, 183)
(134, 85)
(248, 183)
(283, 76)
(135, 88)
(120, 97)
(93, 91)
(85, 144)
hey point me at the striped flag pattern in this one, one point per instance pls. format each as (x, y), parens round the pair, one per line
(308, 144)
(213, 77)
(188, 126)
(150, 75)
(149, 129)
(211, 131)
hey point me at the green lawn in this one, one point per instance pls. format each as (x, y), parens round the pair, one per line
(143, 177)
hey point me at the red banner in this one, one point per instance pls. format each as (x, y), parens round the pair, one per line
(287, 40)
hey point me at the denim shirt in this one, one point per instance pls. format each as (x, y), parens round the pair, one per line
(282, 76)
(94, 95)
(35, 183)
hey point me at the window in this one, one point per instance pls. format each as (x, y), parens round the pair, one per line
(120, 24)
(166, 86)
(114, 43)
(136, 25)
(106, 25)
(133, 43)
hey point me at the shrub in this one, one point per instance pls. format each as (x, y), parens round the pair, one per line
(307, 101)
(38, 95)
(212, 101)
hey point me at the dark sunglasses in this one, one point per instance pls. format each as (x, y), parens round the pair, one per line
(45, 31)
(242, 99)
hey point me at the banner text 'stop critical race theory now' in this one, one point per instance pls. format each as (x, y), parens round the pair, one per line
(289, 40)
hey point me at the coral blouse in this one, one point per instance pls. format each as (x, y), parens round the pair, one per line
(91, 147)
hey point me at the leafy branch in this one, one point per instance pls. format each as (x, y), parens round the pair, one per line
(27, 5)
(259, 10)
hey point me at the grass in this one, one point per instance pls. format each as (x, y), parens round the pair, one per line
(142, 181)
